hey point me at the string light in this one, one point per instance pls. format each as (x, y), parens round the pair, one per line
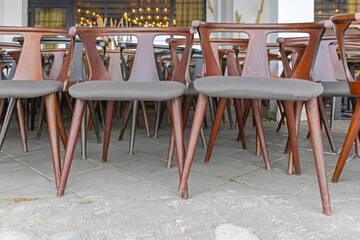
(165, 9)
(148, 9)
(79, 10)
(94, 13)
(157, 9)
(87, 12)
(337, 10)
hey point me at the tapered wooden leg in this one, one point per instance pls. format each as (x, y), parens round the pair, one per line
(194, 136)
(70, 148)
(291, 125)
(41, 117)
(348, 143)
(187, 106)
(7, 120)
(126, 120)
(51, 106)
(68, 101)
(61, 126)
(159, 117)
(143, 107)
(260, 131)
(282, 120)
(83, 136)
(110, 105)
(21, 119)
(212, 109)
(258, 144)
(94, 120)
(133, 127)
(326, 123)
(317, 143)
(176, 117)
(215, 128)
(202, 135)
(2, 109)
(228, 108)
(239, 113)
(298, 105)
(32, 111)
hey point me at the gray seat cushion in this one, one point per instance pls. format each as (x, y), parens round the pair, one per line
(336, 89)
(258, 88)
(29, 88)
(111, 90)
(191, 90)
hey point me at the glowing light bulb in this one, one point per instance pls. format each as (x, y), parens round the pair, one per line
(79, 10)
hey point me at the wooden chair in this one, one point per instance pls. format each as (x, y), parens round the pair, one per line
(255, 74)
(143, 85)
(341, 24)
(27, 83)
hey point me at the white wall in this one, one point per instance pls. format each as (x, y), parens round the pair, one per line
(13, 12)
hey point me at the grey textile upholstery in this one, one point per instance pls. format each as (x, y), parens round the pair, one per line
(116, 90)
(258, 88)
(29, 88)
(191, 90)
(336, 89)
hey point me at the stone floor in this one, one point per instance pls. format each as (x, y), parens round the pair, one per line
(135, 196)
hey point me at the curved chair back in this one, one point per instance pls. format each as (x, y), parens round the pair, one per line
(256, 59)
(341, 23)
(29, 66)
(144, 66)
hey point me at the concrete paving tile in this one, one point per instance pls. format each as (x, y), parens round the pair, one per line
(144, 167)
(41, 190)
(308, 169)
(276, 180)
(19, 178)
(115, 155)
(240, 189)
(349, 176)
(97, 180)
(197, 181)
(14, 148)
(224, 167)
(139, 189)
(8, 164)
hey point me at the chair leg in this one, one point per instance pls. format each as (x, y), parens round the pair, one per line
(202, 135)
(239, 113)
(41, 117)
(94, 120)
(215, 128)
(332, 115)
(312, 111)
(110, 105)
(177, 124)
(159, 117)
(143, 107)
(194, 136)
(326, 123)
(260, 131)
(2, 109)
(228, 108)
(133, 127)
(67, 97)
(212, 109)
(186, 111)
(83, 136)
(70, 149)
(61, 126)
(51, 106)
(32, 111)
(7, 120)
(126, 120)
(291, 125)
(21, 119)
(348, 143)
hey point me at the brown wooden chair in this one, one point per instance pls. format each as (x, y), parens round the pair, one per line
(255, 74)
(341, 24)
(27, 83)
(143, 85)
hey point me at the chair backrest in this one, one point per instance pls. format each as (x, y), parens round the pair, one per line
(341, 23)
(256, 59)
(29, 66)
(144, 66)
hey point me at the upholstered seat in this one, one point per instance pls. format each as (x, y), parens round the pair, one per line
(336, 89)
(111, 90)
(258, 87)
(29, 88)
